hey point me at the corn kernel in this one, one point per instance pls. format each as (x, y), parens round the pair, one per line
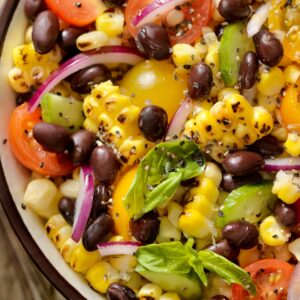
(212, 57)
(185, 56)
(54, 224)
(123, 263)
(206, 188)
(174, 212)
(61, 236)
(208, 125)
(150, 290)
(292, 144)
(291, 74)
(267, 102)
(167, 231)
(280, 133)
(91, 40)
(68, 248)
(90, 125)
(117, 238)
(111, 23)
(294, 247)
(227, 92)
(169, 296)
(223, 116)
(262, 121)
(272, 233)
(70, 188)
(271, 82)
(201, 204)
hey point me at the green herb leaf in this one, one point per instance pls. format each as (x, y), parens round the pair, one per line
(197, 266)
(160, 173)
(229, 271)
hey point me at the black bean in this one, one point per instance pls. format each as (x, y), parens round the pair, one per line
(285, 213)
(153, 40)
(241, 234)
(53, 138)
(268, 48)
(146, 228)
(83, 81)
(33, 7)
(45, 32)
(153, 123)
(115, 2)
(231, 182)
(219, 30)
(233, 10)
(200, 81)
(118, 291)
(66, 207)
(67, 38)
(81, 146)
(223, 248)
(248, 70)
(295, 230)
(97, 232)
(219, 297)
(102, 196)
(242, 163)
(268, 146)
(105, 164)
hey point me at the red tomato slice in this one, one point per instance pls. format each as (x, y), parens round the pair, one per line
(196, 15)
(76, 12)
(27, 151)
(271, 278)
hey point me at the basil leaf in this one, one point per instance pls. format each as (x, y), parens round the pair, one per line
(160, 173)
(165, 258)
(197, 265)
(229, 271)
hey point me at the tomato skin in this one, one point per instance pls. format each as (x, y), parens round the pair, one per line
(27, 151)
(260, 272)
(200, 16)
(80, 16)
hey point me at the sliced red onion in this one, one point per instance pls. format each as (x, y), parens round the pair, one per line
(118, 248)
(106, 55)
(177, 123)
(258, 19)
(284, 164)
(294, 286)
(155, 10)
(84, 202)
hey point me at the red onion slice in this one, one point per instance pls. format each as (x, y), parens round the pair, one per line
(155, 10)
(118, 248)
(294, 286)
(177, 123)
(284, 164)
(84, 202)
(106, 55)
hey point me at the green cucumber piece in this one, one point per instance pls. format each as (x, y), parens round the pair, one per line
(234, 44)
(63, 111)
(250, 202)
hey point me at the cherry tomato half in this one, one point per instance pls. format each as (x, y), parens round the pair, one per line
(27, 151)
(271, 278)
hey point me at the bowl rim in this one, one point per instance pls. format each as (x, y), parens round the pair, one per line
(7, 10)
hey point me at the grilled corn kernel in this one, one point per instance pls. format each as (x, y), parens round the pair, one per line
(68, 248)
(294, 248)
(286, 186)
(101, 275)
(111, 23)
(291, 74)
(28, 35)
(90, 125)
(206, 188)
(272, 233)
(174, 212)
(245, 134)
(167, 231)
(223, 116)
(280, 133)
(185, 56)
(91, 40)
(70, 188)
(150, 290)
(212, 57)
(207, 125)
(40, 196)
(194, 223)
(271, 82)
(123, 263)
(61, 236)
(81, 260)
(267, 102)
(19, 80)
(227, 92)
(169, 296)
(262, 121)
(201, 204)
(54, 224)
(292, 144)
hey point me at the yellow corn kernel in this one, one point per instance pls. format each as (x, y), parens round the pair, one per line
(294, 248)
(212, 57)
(194, 223)
(208, 125)
(201, 204)
(19, 80)
(70, 188)
(150, 290)
(40, 196)
(111, 23)
(201, 49)
(213, 172)
(117, 238)
(167, 231)
(68, 248)
(101, 275)
(185, 56)
(174, 212)
(246, 134)
(169, 296)
(81, 260)
(90, 125)
(267, 102)
(262, 121)
(291, 74)
(272, 233)
(271, 82)
(54, 224)
(227, 92)
(280, 133)
(286, 186)
(224, 117)
(292, 144)
(206, 188)
(218, 85)
(123, 263)
(61, 236)
(104, 89)
(91, 40)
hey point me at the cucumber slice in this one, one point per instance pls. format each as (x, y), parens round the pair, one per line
(234, 44)
(250, 202)
(63, 111)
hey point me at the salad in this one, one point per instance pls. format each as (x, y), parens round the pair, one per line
(163, 140)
